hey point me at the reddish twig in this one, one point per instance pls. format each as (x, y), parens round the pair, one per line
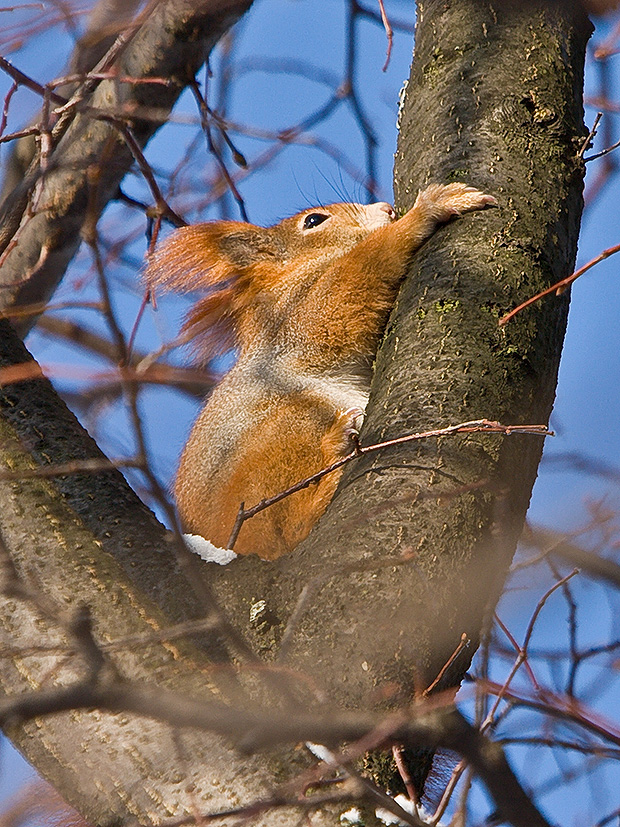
(463, 643)
(36, 308)
(474, 426)
(397, 754)
(110, 75)
(522, 651)
(388, 33)
(22, 133)
(517, 648)
(560, 286)
(448, 792)
(146, 297)
(557, 706)
(5, 108)
(22, 79)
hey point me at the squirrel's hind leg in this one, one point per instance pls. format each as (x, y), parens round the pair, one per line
(338, 441)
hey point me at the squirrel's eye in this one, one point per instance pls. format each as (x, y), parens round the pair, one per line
(314, 219)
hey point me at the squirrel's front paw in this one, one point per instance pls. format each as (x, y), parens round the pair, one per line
(446, 200)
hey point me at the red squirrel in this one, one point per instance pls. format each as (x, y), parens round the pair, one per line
(305, 302)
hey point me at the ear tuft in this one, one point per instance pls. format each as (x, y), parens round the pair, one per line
(205, 255)
(213, 257)
(187, 260)
(249, 245)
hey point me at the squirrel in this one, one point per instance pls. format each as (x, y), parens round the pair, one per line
(305, 302)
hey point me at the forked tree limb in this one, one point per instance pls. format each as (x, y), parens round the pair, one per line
(495, 98)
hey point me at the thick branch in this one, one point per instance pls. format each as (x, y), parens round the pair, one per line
(87, 537)
(268, 728)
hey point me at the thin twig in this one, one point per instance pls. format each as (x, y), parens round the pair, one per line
(602, 152)
(473, 426)
(205, 113)
(24, 80)
(523, 650)
(463, 643)
(388, 33)
(397, 755)
(590, 135)
(76, 466)
(562, 708)
(5, 109)
(517, 648)
(560, 286)
(448, 792)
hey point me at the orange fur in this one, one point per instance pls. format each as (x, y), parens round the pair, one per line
(305, 301)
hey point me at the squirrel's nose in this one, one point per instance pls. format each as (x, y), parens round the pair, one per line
(388, 208)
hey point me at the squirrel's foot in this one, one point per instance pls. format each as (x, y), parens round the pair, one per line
(342, 437)
(443, 201)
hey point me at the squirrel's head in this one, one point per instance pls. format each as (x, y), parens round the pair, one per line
(329, 231)
(244, 267)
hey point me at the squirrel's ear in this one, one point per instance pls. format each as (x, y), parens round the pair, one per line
(214, 258)
(245, 245)
(205, 255)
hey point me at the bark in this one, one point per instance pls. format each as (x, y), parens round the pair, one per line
(494, 99)
(43, 216)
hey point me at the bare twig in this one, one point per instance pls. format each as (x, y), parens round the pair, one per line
(463, 643)
(205, 114)
(560, 286)
(590, 136)
(557, 706)
(77, 466)
(603, 152)
(523, 649)
(473, 426)
(388, 33)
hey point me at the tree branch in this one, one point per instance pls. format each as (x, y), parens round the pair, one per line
(263, 728)
(42, 218)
